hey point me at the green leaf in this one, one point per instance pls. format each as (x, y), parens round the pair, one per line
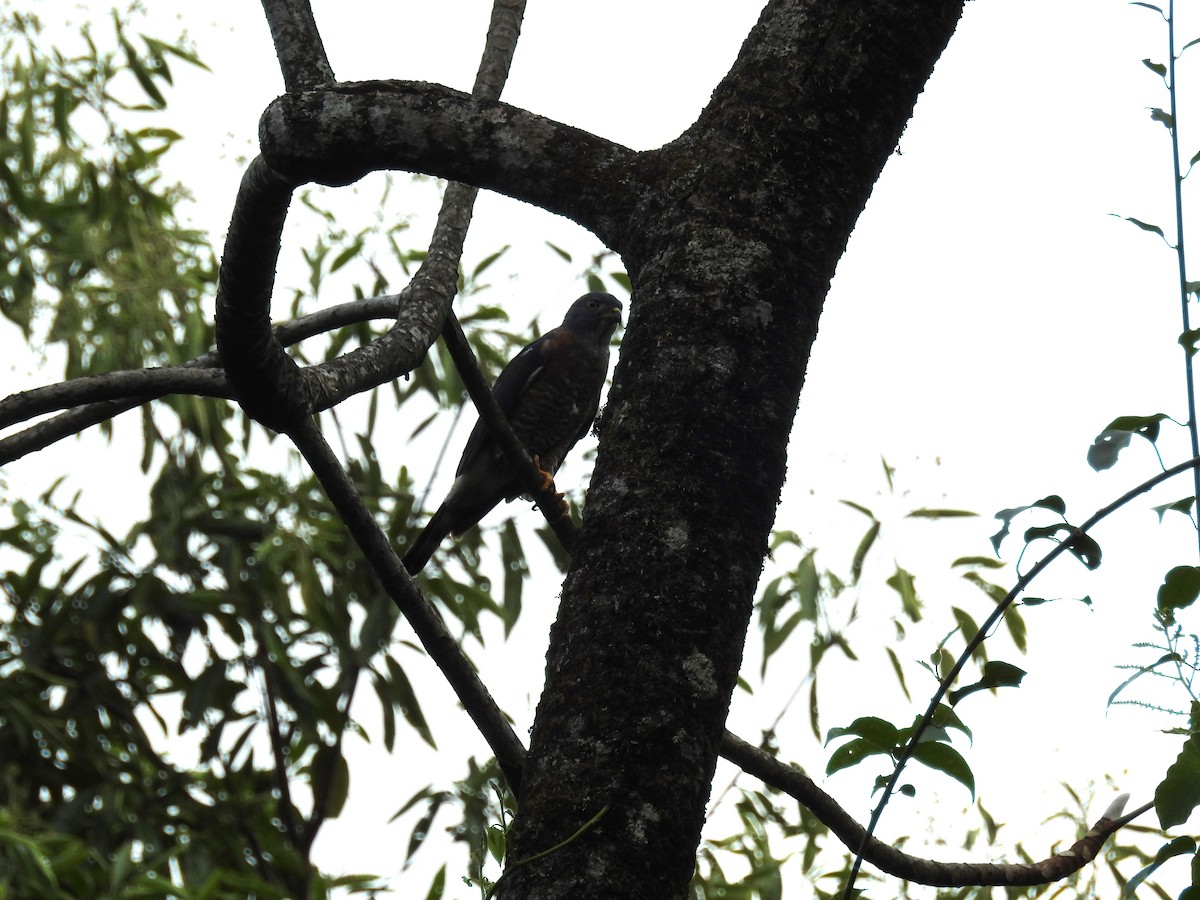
(860, 554)
(1173, 848)
(899, 672)
(1148, 6)
(339, 784)
(1168, 121)
(996, 674)
(487, 261)
(905, 585)
(405, 699)
(1190, 43)
(941, 514)
(985, 561)
(1157, 68)
(438, 887)
(1183, 505)
(946, 759)
(346, 255)
(566, 257)
(881, 733)
(852, 754)
(1188, 339)
(1178, 591)
(1145, 226)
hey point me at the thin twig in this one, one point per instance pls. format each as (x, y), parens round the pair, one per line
(984, 630)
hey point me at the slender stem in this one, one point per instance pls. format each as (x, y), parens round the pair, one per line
(981, 635)
(1172, 90)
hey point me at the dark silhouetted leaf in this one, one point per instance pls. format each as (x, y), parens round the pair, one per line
(1179, 793)
(1172, 848)
(1178, 591)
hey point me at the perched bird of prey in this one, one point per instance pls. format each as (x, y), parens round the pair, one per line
(549, 392)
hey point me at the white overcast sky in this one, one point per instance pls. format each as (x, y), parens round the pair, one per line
(988, 319)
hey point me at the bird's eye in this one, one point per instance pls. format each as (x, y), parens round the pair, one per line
(593, 305)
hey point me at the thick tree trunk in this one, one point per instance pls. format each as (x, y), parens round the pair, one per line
(731, 248)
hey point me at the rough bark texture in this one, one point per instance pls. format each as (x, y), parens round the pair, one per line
(731, 249)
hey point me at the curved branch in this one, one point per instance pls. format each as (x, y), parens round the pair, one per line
(298, 44)
(113, 393)
(338, 134)
(912, 868)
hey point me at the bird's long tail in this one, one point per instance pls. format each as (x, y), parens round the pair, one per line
(428, 541)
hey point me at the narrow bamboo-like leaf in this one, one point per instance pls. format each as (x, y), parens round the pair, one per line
(941, 514)
(566, 257)
(860, 554)
(346, 255)
(405, 699)
(905, 585)
(485, 263)
(985, 561)
(1147, 5)
(438, 887)
(1015, 623)
(1190, 43)
(899, 672)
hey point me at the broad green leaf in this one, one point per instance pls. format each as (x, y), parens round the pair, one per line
(996, 674)
(1157, 68)
(496, 841)
(852, 754)
(946, 759)
(1169, 850)
(881, 733)
(1188, 339)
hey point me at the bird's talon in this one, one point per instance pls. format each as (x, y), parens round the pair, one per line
(547, 478)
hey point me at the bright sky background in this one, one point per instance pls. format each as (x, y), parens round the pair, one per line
(989, 318)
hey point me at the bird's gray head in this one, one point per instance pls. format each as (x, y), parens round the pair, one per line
(596, 314)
